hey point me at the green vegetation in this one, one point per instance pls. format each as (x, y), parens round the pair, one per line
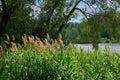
(39, 17)
(99, 28)
(38, 57)
(47, 62)
(66, 64)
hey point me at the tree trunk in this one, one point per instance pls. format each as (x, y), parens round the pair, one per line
(3, 24)
(2, 27)
(68, 16)
(6, 14)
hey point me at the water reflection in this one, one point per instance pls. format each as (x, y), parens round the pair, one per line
(102, 46)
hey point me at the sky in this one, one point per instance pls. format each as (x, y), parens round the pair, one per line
(77, 19)
(80, 16)
(83, 6)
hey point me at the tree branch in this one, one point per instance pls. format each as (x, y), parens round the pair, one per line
(6, 14)
(67, 16)
(89, 6)
(52, 10)
(73, 9)
(11, 10)
(82, 12)
(3, 7)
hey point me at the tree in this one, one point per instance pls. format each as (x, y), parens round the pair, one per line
(7, 9)
(102, 18)
(54, 16)
(100, 22)
(20, 23)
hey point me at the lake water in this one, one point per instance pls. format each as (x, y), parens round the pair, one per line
(112, 47)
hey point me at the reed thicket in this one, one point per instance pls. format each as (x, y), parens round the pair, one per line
(50, 60)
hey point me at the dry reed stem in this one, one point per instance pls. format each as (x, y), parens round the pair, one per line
(13, 46)
(38, 42)
(31, 39)
(28, 40)
(47, 43)
(48, 37)
(7, 37)
(56, 44)
(6, 42)
(4, 47)
(53, 43)
(25, 41)
(1, 49)
(19, 46)
(13, 37)
(60, 36)
(60, 40)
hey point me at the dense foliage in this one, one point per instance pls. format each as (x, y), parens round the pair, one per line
(102, 27)
(34, 60)
(39, 17)
(66, 64)
(45, 58)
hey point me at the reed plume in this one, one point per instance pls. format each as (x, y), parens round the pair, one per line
(35, 41)
(13, 46)
(60, 40)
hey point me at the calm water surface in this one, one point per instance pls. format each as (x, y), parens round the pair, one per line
(112, 47)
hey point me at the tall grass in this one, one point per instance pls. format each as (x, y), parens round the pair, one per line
(50, 63)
